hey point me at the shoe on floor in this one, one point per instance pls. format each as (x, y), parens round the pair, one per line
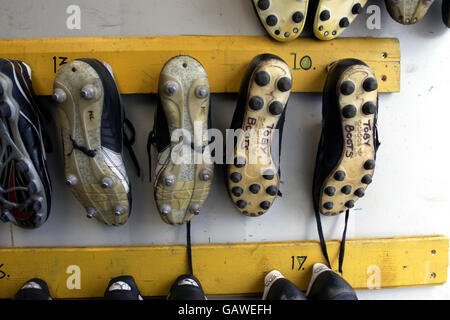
(277, 287)
(186, 287)
(333, 17)
(326, 284)
(446, 12)
(184, 168)
(345, 161)
(123, 288)
(408, 11)
(92, 122)
(252, 173)
(26, 188)
(34, 289)
(283, 19)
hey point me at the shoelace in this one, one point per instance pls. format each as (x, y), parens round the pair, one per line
(323, 244)
(188, 246)
(129, 142)
(86, 151)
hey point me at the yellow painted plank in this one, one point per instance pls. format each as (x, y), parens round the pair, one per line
(137, 61)
(225, 269)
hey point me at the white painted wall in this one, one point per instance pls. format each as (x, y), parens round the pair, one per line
(410, 192)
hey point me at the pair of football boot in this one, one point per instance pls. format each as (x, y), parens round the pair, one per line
(284, 20)
(186, 287)
(183, 145)
(325, 284)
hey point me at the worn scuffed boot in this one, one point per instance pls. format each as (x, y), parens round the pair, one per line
(184, 167)
(346, 155)
(277, 287)
(333, 17)
(252, 171)
(25, 197)
(326, 284)
(408, 11)
(92, 123)
(283, 19)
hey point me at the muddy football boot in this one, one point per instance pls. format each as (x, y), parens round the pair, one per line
(333, 17)
(277, 287)
(34, 289)
(186, 287)
(346, 154)
(326, 284)
(252, 174)
(92, 123)
(446, 12)
(123, 288)
(26, 189)
(183, 170)
(408, 11)
(283, 19)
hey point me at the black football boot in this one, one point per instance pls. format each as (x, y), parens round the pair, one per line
(252, 172)
(326, 284)
(347, 149)
(277, 287)
(25, 182)
(183, 166)
(186, 287)
(283, 19)
(446, 12)
(123, 288)
(333, 17)
(34, 289)
(408, 11)
(92, 122)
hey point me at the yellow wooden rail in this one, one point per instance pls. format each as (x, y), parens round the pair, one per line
(225, 269)
(137, 61)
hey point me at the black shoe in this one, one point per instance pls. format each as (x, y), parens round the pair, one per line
(26, 188)
(346, 155)
(122, 288)
(446, 12)
(333, 17)
(326, 284)
(34, 289)
(408, 11)
(277, 287)
(283, 19)
(253, 180)
(186, 287)
(92, 122)
(181, 183)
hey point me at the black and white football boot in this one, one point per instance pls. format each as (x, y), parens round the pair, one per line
(408, 11)
(186, 287)
(184, 168)
(34, 289)
(283, 19)
(333, 17)
(25, 182)
(326, 284)
(92, 127)
(252, 172)
(277, 287)
(346, 155)
(123, 288)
